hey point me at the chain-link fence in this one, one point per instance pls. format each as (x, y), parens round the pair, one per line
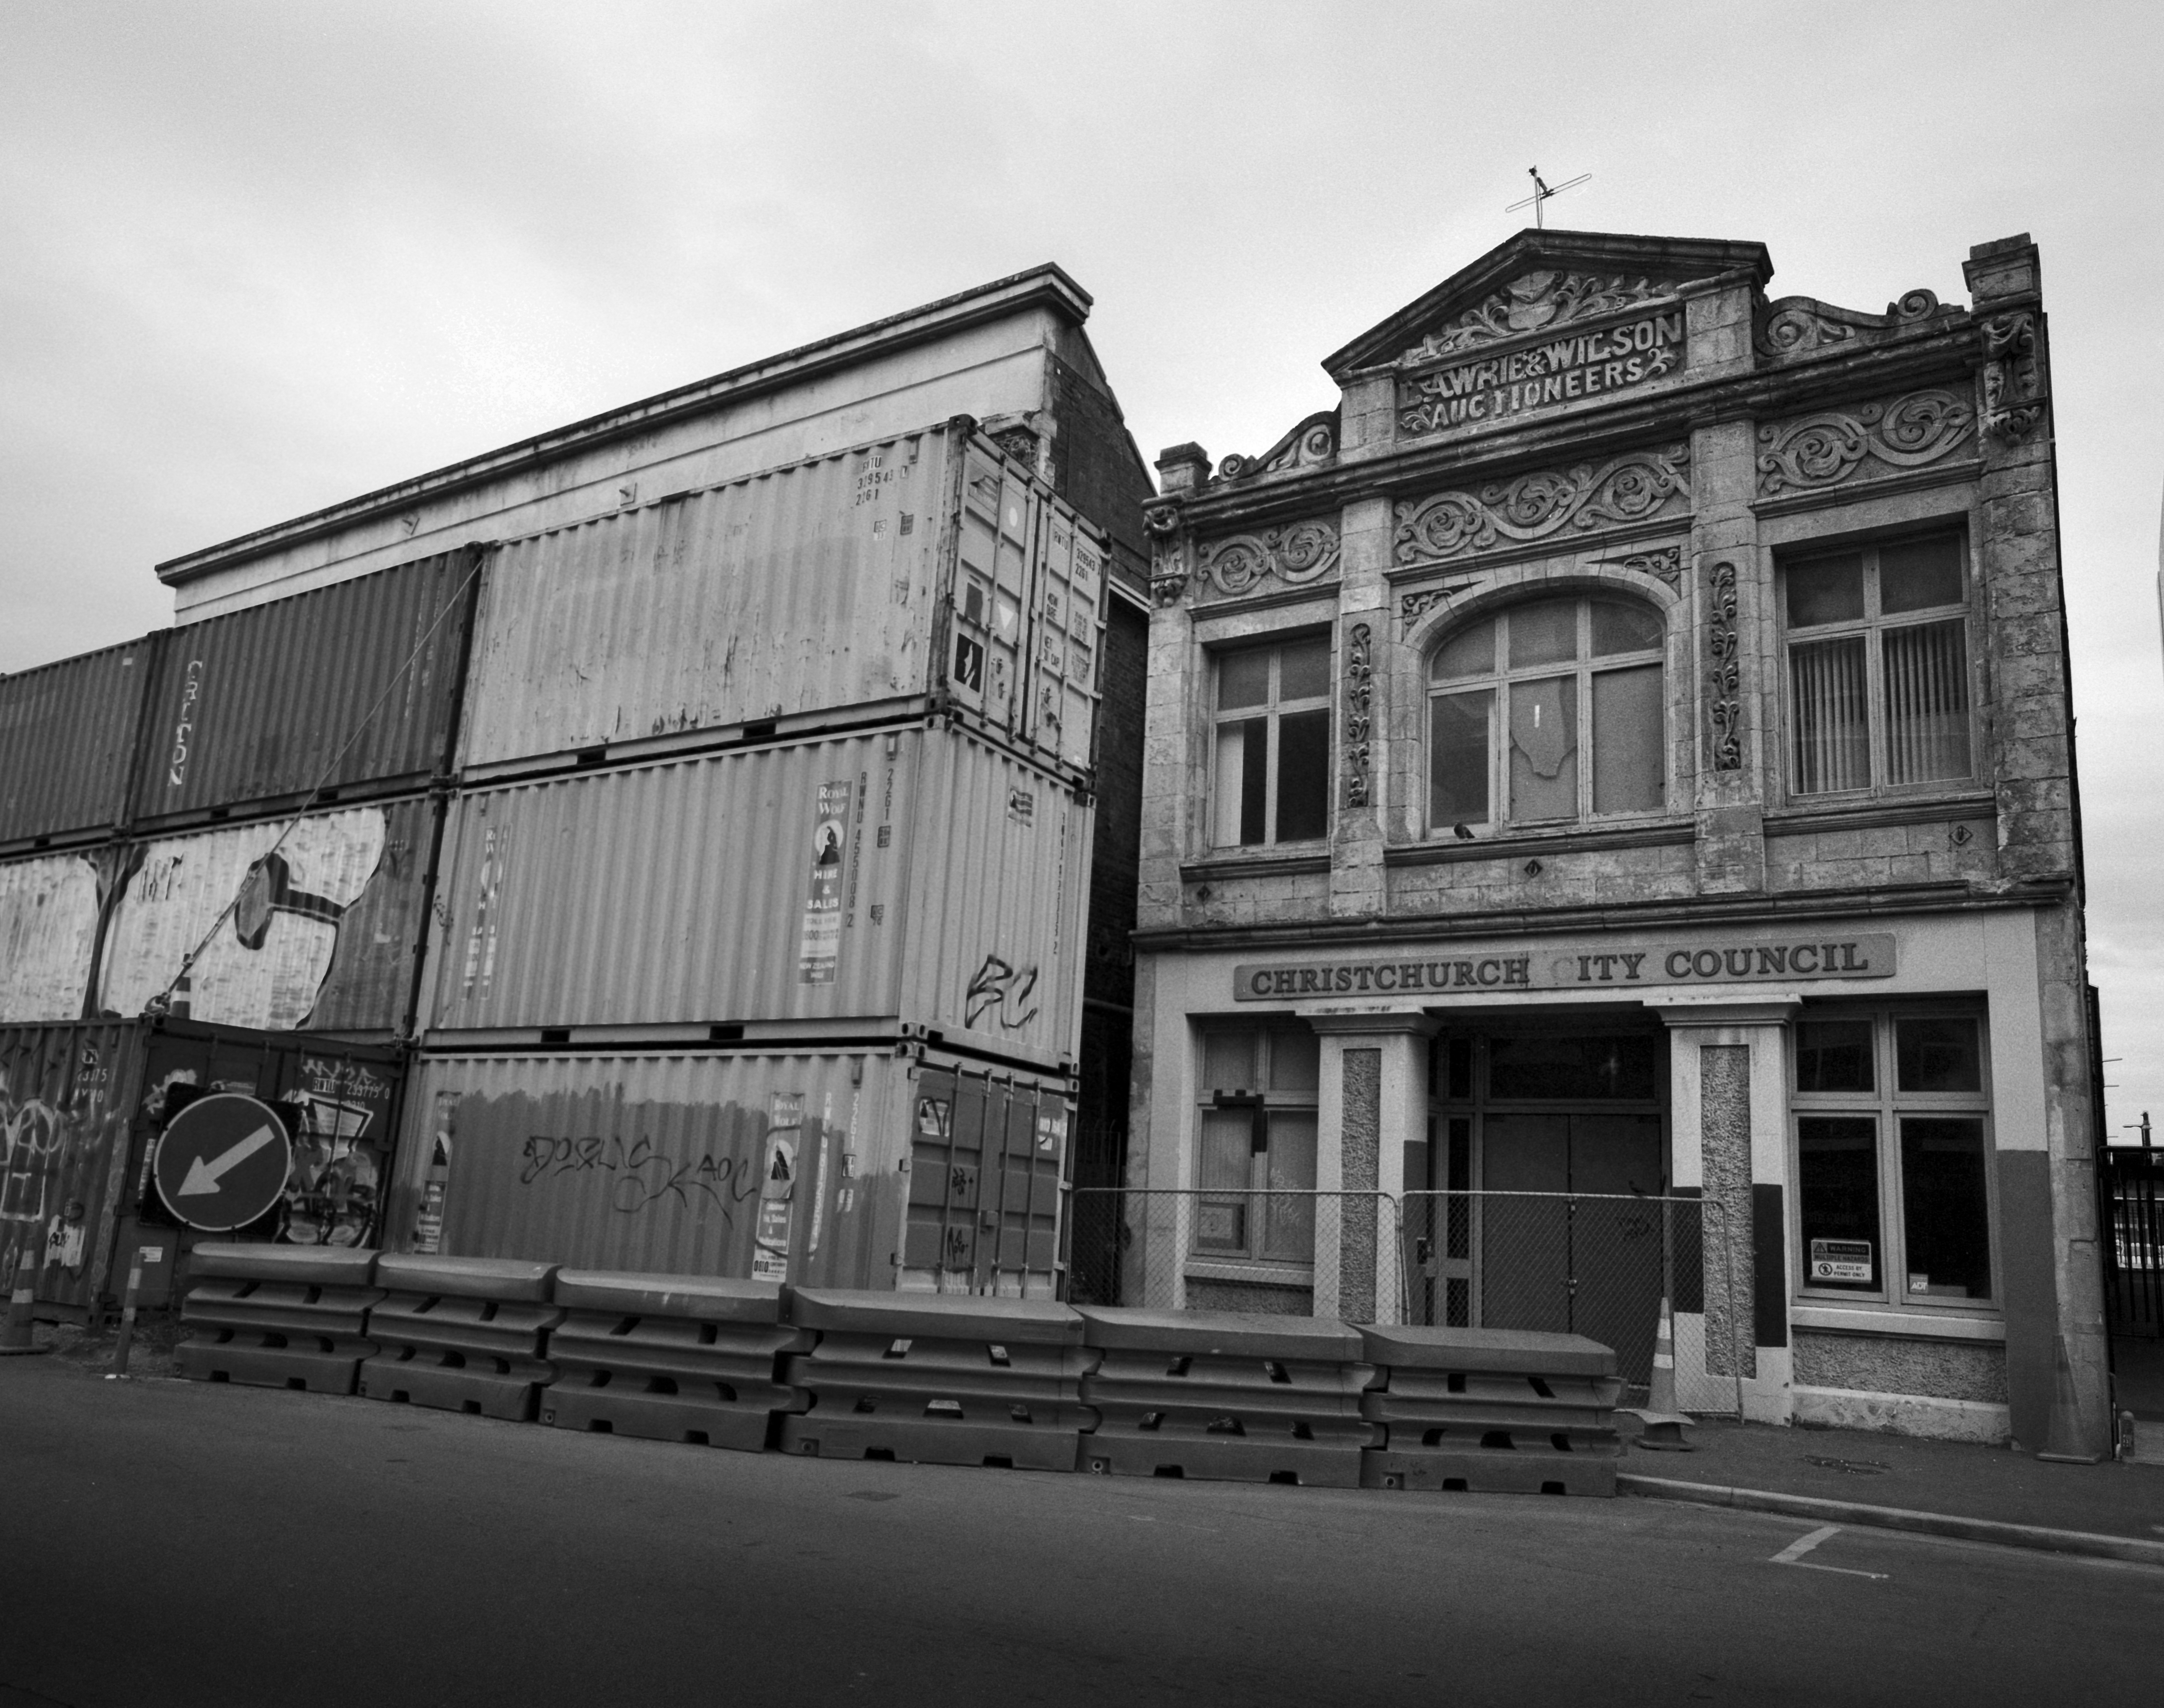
(1585, 1263)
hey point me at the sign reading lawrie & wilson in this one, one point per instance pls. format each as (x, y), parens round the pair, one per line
(1567, 369)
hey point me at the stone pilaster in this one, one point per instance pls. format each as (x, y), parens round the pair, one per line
(1735, 693)
(1362, 717)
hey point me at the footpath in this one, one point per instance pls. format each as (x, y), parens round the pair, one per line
(1982, 1494)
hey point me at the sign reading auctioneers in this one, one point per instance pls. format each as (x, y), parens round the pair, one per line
(1559, 967)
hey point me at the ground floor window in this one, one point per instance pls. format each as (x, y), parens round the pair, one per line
(1893, 1156)
(1258, 1127)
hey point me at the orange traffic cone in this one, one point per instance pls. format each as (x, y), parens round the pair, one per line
(16, 1335)
(1664, 1425)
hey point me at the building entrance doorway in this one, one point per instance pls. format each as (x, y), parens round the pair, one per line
(1580, 1257)
(1544, 1166)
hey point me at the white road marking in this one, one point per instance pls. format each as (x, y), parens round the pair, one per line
(1793, 1555)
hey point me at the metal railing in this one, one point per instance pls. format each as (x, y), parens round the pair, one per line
(1585, 1263)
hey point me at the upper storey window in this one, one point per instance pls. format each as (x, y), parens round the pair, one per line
(1272, 767)
(1547, 713)
(1878, 687)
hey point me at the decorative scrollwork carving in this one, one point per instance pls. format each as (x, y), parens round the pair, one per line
(2013, 378)
(1533, 303)
(1535, 507)
(1820, 449)
(1295, 556)
(1724, 704)
(1308, 445)
(1359, 696)
(1666, 562)
(1416, 604)
(1797, 326)
(1165, 525)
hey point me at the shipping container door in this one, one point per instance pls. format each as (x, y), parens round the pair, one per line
(1029, 1191)
(1068, 600)
(984, 1197)
(65, 1094)
(946, 1175)
(995, 527)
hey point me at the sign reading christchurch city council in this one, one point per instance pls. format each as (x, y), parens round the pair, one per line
(1561, 370)
(1433, 972)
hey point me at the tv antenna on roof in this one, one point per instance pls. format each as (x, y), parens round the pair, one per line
(1541, 193)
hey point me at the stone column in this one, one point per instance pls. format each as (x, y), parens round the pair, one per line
(1373, 1101)
(1729, 1144)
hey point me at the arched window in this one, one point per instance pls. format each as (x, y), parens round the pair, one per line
(1547, 713)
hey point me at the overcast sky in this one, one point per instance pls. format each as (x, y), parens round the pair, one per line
(257, 258)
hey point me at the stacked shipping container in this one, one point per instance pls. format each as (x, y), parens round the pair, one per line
(737, 793)
(799, 760)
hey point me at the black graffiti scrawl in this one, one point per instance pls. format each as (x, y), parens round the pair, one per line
(1007, 994)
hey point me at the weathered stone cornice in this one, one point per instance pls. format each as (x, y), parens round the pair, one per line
(1956, 896)
(1950, 355)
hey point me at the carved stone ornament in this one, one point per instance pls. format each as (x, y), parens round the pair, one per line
(1304, 552)
(1819, 451)
(1019, 443)
(1536, 506)
(1666, 562)
(1533, 303)
(1416, 604)
(1164, 524)
(1799, 326)
(1359, 705)
(1308, 445)
(2014, 390)
(1724, 702)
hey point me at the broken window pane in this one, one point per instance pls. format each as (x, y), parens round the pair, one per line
(1544, 749)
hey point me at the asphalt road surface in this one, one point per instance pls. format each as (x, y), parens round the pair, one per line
(169, 1543)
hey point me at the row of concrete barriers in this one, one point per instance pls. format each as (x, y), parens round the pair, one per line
(949, 1378)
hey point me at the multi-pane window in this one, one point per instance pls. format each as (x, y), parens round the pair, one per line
(1271, 780)
(1257, 1163)
(1893, 1165)
(1878, 675)
(1545, 712)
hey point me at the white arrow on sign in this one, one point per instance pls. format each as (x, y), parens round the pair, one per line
(203, 1176)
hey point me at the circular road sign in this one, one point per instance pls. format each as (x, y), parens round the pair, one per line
(223, 1161)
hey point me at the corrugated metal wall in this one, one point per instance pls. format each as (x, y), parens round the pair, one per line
(67, 738)
(356, 685)
(812, 590)
(49, 907)
(663, 1163)
(321, 933)
(67, 1097)
(923, 875)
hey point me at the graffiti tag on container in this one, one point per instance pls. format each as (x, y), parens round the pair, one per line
(643, 1175)
(1008, 993)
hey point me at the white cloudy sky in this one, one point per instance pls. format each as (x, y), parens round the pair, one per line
(258, 257)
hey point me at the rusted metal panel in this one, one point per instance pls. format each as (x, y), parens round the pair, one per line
(312, 923)
(928, 568)
(67, 1094)
(49, 907)
(67, 738)
(786, 1166)
(355, 686)
(923, 875)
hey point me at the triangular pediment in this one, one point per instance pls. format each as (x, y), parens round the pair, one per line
(1539, 281)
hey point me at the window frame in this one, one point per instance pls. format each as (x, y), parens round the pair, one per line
(1873, 626)
(1268, 1103)
(1888, 1105)
(1582, 668)
(1271, 711)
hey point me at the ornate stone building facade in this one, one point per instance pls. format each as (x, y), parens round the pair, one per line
(1623, 752)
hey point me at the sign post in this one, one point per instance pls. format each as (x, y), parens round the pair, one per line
(223, 1162)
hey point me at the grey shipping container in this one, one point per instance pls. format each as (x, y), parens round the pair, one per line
(67, 740)
(925, 570)
(921, 876)
(312, 923)
(353, 688)
(49, 912)
(829, 1168)
(83, 1103)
